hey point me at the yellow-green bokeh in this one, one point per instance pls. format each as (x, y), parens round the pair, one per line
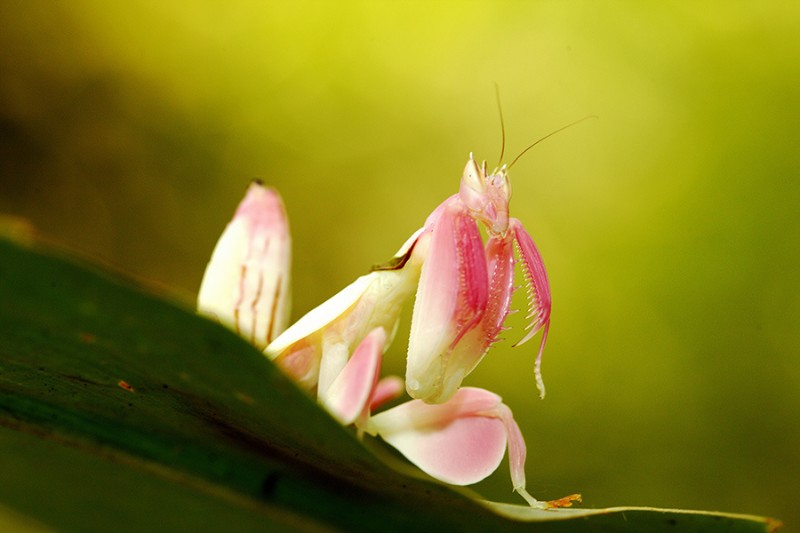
(669, 225)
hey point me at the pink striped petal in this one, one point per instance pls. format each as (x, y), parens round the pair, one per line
(245, 285)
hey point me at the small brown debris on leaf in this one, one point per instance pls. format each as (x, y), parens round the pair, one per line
(127, 386)
(566, 501)
(246, 398)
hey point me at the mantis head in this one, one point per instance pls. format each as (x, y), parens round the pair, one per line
(486, 195)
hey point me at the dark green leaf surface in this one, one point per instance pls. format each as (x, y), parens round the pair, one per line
(120, 412)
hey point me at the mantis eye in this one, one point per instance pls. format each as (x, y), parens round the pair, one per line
(499, 187)
(473, 186)
(504, 184)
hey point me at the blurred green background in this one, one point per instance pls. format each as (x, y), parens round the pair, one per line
(669, 226)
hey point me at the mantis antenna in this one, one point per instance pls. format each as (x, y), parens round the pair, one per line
(502, 124)
(562, 128)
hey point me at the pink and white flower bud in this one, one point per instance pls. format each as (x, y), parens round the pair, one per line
(246, 283)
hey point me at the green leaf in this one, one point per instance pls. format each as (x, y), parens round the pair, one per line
(122, 412)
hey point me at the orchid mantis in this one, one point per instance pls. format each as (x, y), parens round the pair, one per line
(463, 295)
(464, 292)
(465, 288)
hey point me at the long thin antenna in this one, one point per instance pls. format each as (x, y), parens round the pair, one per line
(502, 124)
(562, 128)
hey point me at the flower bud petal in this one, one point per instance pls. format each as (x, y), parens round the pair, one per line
(246, 283)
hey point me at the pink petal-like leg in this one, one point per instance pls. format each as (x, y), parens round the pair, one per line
(500, 257)
(448, 441)
(468, 350)
(388, 389)
(460, 441)
(516, 455)
(451, 300)
(350, 394)
(315, 349)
